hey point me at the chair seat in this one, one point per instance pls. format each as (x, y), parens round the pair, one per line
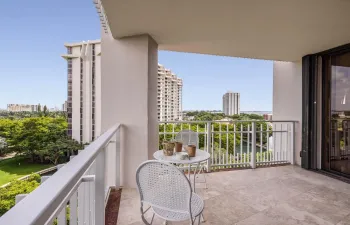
(197, 206)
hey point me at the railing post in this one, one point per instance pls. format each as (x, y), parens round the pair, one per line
(253, 152)
(117, 160)
(208, 145)
(100, 187)
(292, 143)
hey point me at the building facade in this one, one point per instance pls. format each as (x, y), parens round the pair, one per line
(231, 103)
(64, 106)
(83, 104)
(169, 100)
(267, 116)
(83, 90)
(22, 108)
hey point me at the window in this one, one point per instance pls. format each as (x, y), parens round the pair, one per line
(69, 50)
(69, 93)
(81, 99)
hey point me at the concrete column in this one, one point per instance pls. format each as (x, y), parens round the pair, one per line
(287, 99)
(97, 91)
(87, 93)
(129, 96)
(76, 95)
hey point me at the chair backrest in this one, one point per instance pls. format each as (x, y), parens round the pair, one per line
(187, 137)
(164, 186)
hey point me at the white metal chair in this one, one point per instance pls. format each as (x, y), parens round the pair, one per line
(167, 191)
(189, 137)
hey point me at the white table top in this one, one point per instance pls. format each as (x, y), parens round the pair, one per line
(200, 157)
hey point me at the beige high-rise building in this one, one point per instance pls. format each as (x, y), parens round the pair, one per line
(22, 108)
(169, 95)
(84, 91)
(64, 106)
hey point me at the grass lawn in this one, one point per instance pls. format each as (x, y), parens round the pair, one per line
(17, 167)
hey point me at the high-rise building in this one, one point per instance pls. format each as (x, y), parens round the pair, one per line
(64, 106)
(169, 95)
(22, 108)
(84, 91)
(231, 103)
(54, 109)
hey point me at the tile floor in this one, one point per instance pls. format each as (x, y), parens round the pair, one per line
(284, 195)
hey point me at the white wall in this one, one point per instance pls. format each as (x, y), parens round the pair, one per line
(287, 97)
(129, 68)
(76, 95)
(87, 93)
(97, 91)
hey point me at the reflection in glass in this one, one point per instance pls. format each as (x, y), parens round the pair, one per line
(340, 114)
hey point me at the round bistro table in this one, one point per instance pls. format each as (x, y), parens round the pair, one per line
(200, 157)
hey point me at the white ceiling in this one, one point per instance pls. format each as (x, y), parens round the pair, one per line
(264, 29)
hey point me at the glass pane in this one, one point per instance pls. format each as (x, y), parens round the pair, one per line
(340, 114)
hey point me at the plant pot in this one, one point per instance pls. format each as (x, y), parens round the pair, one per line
(178, 146)
(191, 150)
(168, 148)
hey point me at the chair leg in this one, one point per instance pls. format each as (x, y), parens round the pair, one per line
(152, 218)
(145, 220)
(143, 215)
(193, 221)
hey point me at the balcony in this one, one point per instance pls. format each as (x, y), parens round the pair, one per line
(274, 192)
(285, 195)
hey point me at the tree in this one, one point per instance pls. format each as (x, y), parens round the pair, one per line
(8, 194)
(3, 146)
(45, 111)
(39, 107)
(34, 134)
(56, 150)
(19, 115)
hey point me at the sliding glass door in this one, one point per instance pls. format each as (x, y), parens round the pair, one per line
(336, 113)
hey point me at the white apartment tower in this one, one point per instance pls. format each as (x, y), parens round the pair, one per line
(231, 103)
(169, 95)
(84, 91)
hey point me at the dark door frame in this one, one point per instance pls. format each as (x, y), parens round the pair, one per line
(310, 78)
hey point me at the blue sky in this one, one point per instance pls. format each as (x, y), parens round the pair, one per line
(32, 71)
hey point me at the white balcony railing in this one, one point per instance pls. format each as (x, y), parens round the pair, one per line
(239, 143)
(81, 186)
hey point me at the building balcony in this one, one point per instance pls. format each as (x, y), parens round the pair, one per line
(252, 175)
(247, 193)
(239, 188)
(279, 195)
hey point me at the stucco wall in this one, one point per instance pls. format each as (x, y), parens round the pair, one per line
(129, 69)
(287, 97)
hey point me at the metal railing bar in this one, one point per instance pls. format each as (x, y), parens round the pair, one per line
(64, 202)
(48, 196)
(231, 132)
(233, 121)
(231, 164)
(276, 161)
